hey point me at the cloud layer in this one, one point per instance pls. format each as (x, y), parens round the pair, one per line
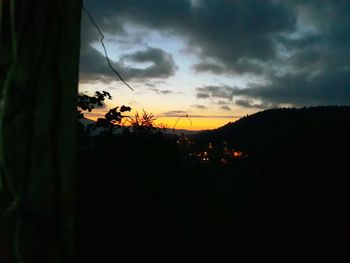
(93, 65)
(300, 50)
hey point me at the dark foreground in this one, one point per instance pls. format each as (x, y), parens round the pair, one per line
(140, 199)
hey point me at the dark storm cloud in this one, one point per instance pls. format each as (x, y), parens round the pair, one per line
(316, 70)
(163, 65)
(223, 92)
(323, 88)
(301, 48)
(93, 65)
(208, 67)
(251, 104)
(225, 30)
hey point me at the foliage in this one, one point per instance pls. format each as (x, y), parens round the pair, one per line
(147, 120)
(144, 124)
(111, 119)
(88, 103)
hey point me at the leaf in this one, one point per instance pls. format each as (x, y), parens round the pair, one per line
(125, 108)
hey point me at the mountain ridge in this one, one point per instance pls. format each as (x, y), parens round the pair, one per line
(286, 131)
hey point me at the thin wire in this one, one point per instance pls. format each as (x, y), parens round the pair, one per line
(104, 48)
(186, 116)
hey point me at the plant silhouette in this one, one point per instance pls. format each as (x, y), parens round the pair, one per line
(111, 119)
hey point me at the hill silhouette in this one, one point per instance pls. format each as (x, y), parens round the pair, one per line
(300, 185)
(304, 132)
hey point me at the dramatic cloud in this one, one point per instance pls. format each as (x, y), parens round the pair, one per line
(251, 104)
(93, 65)
(324, 88)
(236, 33)
(224, 92)
(208, 67)
(299, 49)
(162, 66)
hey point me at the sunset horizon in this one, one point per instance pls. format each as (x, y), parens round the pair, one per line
(193, 61)
(174, 130)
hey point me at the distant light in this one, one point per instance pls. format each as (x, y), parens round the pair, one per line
(223, 161)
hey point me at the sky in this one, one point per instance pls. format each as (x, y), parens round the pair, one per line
(216, 60)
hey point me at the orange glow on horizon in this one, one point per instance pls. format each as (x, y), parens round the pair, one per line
(195, 123)
(191, 123)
